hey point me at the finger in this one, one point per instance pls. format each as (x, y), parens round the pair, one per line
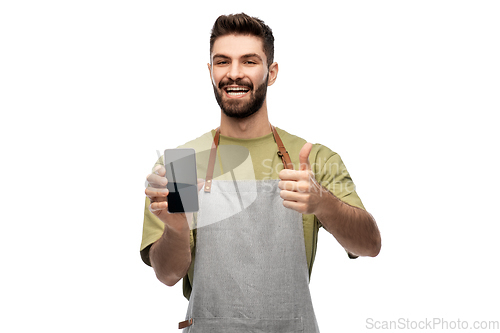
(293, 196)
(294, 175)
(287, 174)
(304, 156)
(155, 180)
(159, 170)
(158, 207)
(294, 186)
(297, 206)
(156, 194)
(286, 185)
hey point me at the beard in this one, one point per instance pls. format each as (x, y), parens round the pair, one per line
(235, 108)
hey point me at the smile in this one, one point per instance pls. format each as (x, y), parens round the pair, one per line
(236, 92)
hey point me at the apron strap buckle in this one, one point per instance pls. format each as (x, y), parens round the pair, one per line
(285, 158)
(282, 152)
(186, 323)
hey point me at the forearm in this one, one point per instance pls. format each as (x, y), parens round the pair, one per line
(171, 255)
(354, 228)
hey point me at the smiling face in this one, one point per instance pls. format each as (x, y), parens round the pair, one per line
(240, 75)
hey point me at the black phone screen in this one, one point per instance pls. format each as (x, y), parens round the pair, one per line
(180, 166)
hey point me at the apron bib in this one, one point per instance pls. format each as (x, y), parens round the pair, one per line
(250, 271)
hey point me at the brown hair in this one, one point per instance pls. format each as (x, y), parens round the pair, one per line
(243, 24)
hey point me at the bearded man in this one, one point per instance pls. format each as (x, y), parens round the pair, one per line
(247, 258)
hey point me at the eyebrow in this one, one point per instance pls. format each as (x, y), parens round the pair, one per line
(249, 55)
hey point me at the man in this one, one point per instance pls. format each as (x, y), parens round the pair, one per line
(249, 270)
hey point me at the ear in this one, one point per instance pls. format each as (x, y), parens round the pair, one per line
(210, 71)
(273, 73)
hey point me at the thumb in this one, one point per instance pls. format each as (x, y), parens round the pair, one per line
(304, 157)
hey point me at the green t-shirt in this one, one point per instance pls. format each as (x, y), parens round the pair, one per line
(327, 167)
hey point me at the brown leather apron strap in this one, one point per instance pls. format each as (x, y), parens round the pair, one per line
(186, 323)
(282, 153)
(211, 161)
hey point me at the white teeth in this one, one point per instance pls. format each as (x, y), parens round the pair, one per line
(237, 91)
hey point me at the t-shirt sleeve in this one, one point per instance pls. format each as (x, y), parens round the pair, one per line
(331, 172)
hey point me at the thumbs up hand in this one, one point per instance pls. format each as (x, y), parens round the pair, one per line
(299, 189)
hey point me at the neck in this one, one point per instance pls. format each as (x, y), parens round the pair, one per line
(255, 126)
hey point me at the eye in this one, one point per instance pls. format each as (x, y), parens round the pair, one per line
(221, 62)
(250, 62)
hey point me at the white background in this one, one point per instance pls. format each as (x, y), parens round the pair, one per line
(406, 92)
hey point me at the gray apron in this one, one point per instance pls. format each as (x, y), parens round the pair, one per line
(250, 272)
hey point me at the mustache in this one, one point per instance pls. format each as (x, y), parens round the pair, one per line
(229, 82)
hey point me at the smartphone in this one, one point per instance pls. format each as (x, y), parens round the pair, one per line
(180, 166)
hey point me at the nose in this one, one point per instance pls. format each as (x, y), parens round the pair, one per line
(235, 72)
